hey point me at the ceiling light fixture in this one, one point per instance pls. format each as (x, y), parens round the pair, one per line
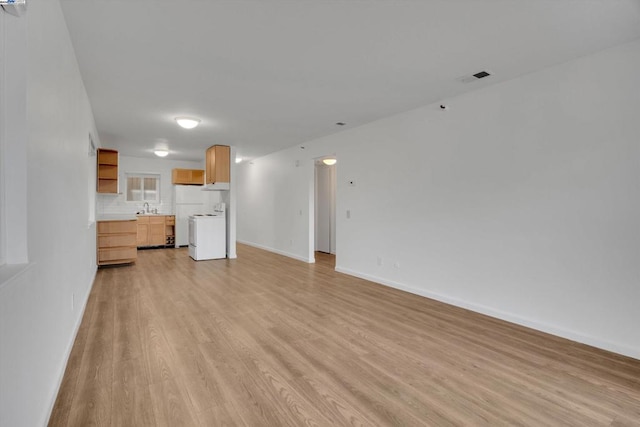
(187, 122)
(161, 153)
(238, 159)
(329, 162)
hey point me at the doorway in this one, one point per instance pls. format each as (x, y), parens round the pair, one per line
(325, 210)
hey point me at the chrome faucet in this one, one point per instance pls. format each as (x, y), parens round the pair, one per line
(146, 207)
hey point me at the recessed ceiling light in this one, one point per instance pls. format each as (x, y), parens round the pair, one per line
(161, 153)
(238, 159)
(329, 162)
(187, 122)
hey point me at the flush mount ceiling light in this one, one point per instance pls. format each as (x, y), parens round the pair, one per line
(161, 147)
(238, 159)
(329, 162)
(187, 122)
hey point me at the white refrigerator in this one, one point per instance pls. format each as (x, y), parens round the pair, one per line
(190, 200)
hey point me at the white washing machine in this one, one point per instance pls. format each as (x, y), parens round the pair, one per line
(207, 237)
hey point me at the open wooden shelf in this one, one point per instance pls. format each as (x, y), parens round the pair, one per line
(107, 170)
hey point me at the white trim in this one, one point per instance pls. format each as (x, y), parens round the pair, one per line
(10, 272)
(498, 314)
(70, 347)
(279, 252)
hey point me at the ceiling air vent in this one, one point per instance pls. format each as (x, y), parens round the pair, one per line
(473, 77)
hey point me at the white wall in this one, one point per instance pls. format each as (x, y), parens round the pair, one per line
(117, 204)
(13, 136)
(521, 201)
(37, 320)
(275, 201)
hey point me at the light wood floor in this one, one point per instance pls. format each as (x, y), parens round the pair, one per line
(269, 341)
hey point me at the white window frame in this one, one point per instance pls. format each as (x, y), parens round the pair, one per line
(143, 175)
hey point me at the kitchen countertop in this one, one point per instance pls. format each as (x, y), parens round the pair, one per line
(117, 217)
(126, 217)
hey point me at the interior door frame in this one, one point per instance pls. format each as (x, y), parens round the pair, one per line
(312, 210)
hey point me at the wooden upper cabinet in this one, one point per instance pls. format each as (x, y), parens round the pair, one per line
(107, 170)
(218, 166)
(187, 176)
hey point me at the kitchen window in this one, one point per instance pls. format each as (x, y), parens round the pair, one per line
(143, 187)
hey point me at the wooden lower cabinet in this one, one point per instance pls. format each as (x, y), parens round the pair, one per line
(170, 230)
(116, 241)
(155, 230)
(111, 256)
(143, 232)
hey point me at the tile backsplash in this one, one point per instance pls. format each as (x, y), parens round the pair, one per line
(116, 204)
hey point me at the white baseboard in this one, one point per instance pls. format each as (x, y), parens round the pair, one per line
(76, 328)
(498, 314)
(278, 251)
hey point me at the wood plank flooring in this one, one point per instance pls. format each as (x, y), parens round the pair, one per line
(265, 340)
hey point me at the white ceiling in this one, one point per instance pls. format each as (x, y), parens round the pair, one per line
(269, 74)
